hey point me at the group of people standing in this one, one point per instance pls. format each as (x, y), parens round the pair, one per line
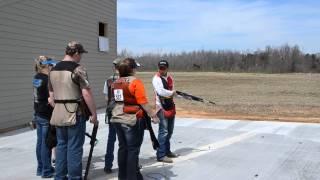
(63, 99)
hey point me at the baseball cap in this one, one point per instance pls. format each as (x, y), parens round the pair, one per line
(50, 62)
(131, 62)
(163, 63)
(76, 46)
(117, 60)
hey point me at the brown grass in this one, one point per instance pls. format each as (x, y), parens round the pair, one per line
(279, 97)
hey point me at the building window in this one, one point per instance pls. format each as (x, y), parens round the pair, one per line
(103, 37)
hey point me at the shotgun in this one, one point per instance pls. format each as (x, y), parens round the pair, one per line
(154, 140)
(92, 143)
(195, 98)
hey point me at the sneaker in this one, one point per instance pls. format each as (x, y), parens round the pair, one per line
(107, 170)
(165, 159)
(48, 176)
(172, 155)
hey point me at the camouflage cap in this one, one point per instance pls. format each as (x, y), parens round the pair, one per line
(76, 46)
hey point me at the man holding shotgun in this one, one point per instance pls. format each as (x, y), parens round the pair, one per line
(72, 99)
(164, 89)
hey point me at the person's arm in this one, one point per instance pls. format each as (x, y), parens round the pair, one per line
(51, 95)
(51, 98)
(105, 90)
(81, 75)
(152, 113)
(88, 98)
(160, 90)
(137, 88)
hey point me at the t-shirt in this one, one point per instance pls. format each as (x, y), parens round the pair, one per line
(80, 74)
(137, 89)
(41, 94)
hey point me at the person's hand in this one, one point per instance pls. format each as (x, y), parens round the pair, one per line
(51, 101)
(174, 93)
(94, 119)
(154, 118)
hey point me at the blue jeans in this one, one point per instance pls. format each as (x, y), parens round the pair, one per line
(165, 132)
(130, 139)
(42, 151)
(69, 150)
(109, 157)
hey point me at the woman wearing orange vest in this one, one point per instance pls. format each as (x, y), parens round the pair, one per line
(130, 96)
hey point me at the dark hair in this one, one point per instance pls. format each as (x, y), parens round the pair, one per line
(126, 67)
(70, 51)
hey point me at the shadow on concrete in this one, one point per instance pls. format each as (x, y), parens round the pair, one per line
(151, 168)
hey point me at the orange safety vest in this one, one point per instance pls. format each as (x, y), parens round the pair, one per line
(121, 94)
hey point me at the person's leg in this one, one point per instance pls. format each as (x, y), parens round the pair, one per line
(122, 152)
(38, 147)
(170, 132)
(133, 139)
(162, 135)
(61, 153)
(141, 128)
(109, 157)
(47, 169)
(76, 138)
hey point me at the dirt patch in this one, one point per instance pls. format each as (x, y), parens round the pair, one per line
(248, 96)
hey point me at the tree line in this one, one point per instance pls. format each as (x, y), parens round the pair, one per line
(284, 59)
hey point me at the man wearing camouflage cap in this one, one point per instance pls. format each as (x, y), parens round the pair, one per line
(72, 99)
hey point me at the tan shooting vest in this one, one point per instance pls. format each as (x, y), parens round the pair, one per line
(67, 94)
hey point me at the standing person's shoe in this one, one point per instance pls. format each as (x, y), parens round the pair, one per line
(165, 159)
(172, 155)
(48, 176)
(107, 170)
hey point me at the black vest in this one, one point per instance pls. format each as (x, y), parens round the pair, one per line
(166, 103)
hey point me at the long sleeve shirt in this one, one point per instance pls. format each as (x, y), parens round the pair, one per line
(160, 90)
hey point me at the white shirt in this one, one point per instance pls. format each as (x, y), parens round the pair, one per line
(160, 90)
(105, 89)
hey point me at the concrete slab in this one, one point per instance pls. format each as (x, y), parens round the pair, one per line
(210, 149)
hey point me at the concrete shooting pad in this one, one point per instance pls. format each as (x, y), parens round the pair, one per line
(210, 149)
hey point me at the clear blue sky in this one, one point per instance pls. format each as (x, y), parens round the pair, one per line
(186, 25)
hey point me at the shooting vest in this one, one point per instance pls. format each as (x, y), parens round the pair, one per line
(67, 94)
(126, 109)
(41, 94)
(167, 103)
(110, 102)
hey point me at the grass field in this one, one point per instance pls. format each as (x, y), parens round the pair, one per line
(279, 97)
